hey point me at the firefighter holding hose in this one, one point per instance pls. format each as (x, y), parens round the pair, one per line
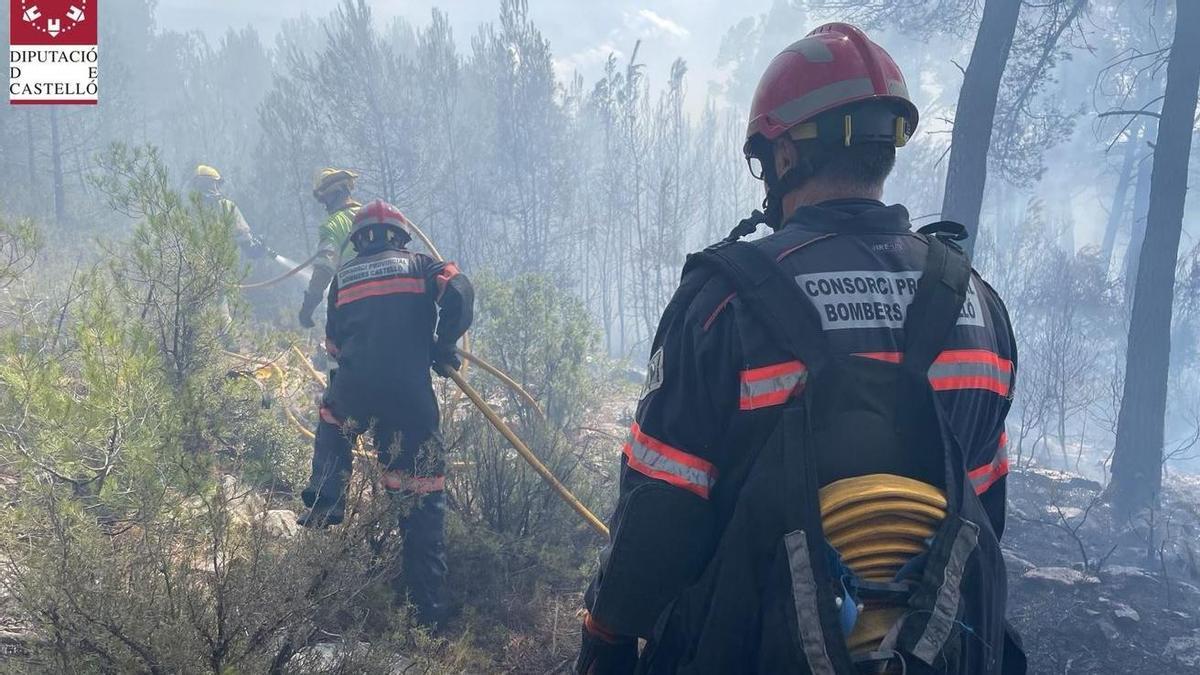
(393, 315)
(331, 187)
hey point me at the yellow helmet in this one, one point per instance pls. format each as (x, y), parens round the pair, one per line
(206, 171)
(329, 179)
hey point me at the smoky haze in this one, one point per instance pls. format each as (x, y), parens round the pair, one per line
(568, 154)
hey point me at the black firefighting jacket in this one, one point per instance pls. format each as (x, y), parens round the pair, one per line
(381, 322)
(716, 382)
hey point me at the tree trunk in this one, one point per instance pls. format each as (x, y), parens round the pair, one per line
(1120, 197)
(60, 208)
(1137, 230)
(1138, 456)
(976, 114)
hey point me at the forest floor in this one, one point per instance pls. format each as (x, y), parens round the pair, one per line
(1091, 594)
(1088, 592)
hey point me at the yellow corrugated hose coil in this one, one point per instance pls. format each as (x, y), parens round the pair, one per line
(878, 523)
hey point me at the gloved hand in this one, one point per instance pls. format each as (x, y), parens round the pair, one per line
(445, 359)
(605, 654)
(256, 248)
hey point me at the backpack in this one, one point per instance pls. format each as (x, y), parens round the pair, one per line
(774, 597)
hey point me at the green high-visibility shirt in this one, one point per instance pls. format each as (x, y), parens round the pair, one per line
(334, 237)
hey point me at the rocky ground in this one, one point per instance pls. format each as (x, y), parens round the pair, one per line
(1093, 594)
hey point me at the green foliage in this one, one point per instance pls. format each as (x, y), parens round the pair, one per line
(544, 339)
(90, 414)
(174, 271)
(541, 336)
(204, 584)
(20, 242)
(122, 551)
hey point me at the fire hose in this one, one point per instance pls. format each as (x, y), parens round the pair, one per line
(528, 455)
(499, 424)
(492, 417)
(508, 381)
(282, 277)
(274, 370)
(460, 381)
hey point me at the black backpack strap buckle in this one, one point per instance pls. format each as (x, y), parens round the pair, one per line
(946, 229)
(887, 591)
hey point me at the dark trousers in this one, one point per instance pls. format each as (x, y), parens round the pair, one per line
(416, 451)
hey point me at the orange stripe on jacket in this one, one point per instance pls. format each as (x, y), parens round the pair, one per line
(771, 385)
(956, 369)
(651, 457)
(371, 289)
(985, 476)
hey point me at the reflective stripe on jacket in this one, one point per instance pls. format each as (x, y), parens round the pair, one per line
(716, 380)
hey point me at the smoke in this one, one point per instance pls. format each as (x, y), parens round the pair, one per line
(303, 276)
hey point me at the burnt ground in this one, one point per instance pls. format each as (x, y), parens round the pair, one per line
(1091, 593)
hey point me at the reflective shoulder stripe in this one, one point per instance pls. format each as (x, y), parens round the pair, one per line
(971, 369)
(649, 456)
(804, 601)
(985, 476)
(957, 369)
(771, 385)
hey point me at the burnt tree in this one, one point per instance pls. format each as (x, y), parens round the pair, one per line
(975, 115)
(1138, 457)
(1120, 200)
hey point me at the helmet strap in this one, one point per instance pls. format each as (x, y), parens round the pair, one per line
(811, 157)
(378, 234)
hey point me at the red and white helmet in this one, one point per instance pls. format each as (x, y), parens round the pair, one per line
(378, 212)
(833, 66)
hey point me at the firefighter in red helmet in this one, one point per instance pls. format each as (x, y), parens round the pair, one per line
(825, 122)
(392, 315)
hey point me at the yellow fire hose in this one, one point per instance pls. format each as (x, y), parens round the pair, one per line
(459, 379)
(433, 250)
(519, 445)
(475, 398)
(312, 372)
(277, 372)
(508, 381)
(528, 455)
(424, 238)
(498, 423)
(298, 424)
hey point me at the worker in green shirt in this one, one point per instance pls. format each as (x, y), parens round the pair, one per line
(207, 181)
(332, 188)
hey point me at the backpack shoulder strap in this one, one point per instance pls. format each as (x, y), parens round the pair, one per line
(934, 311)
(773, 298)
